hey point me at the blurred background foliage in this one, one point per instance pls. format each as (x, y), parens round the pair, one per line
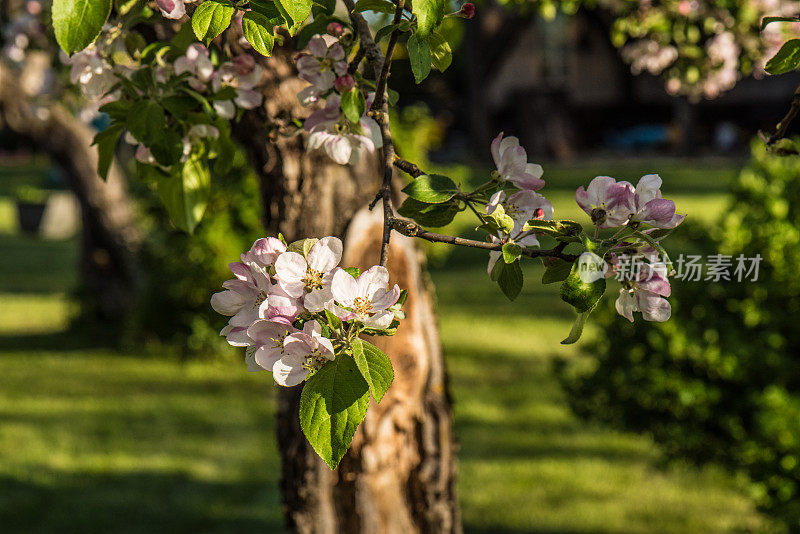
(719, 382)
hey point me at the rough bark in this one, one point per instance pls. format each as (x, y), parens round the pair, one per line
(108, 266)
(399, 475)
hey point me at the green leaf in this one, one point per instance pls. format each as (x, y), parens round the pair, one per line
(432, 215)
(353, 105)
(381, 6)
(499, 220)
(419, 53)
(556, 272)
(258, 32)
(580, 294)
(375, 367)
(210, 19)
(77, 23)
(146, 121)
(318, 26)
(269, 10)
(787, 58)
(106, 142)
(333, 320)
(509, 277)
(511, 252)
(302, 246)
(577, 327)
(441, 54)
(431, 188)
(355, 272)
(429, 14)
(769, 20)
(298, 10)
(333, 403)
(185, 193)
(385, 32)
(168, 148)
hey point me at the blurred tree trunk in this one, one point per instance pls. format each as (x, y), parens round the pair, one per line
(109, 270)
(399, 475)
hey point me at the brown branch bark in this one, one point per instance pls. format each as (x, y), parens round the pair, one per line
(782, 127)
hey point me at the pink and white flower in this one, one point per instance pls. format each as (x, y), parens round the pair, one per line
(366, 298)
(650, 208)
(321, 67)
(172, 9)
(645, 294)
(92, 73)
(522, 206)
(606, 201)
(197, 63)
(303, 352)
(243, 74)
(309, 278)
(342, 140)
(268, 338)
(512, 164)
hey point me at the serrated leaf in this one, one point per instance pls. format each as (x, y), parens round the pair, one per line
(577, 327)
(385, 32)
(298, 11)
(431, 188)
(353, 105)
(168, 148)
(302, 246)
(106, 142)
(509, 277)
(441, 53)
(432, 215)
(185, 193)
(787, 58)
(769, 20)
(333, 403)
(511, 252)
(500, 220)
(380, 6)
(375, 367)
(429, 14)
(146, 121)
(77, 23)
(210, 19)
(557, 272)
(258, 30)
(581, 295)
(419, 54)
(355, 272)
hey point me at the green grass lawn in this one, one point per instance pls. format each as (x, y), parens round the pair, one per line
(96, 441)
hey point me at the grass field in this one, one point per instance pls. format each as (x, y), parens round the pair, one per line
(96, 441)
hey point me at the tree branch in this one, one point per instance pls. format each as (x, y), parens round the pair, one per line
(412, 229)
(380, 87)
(783, 125)
(408, 167)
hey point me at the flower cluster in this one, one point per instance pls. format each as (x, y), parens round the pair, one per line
(293, 307)
(330, 129)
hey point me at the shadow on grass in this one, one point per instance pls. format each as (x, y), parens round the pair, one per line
(137, 502)
(77, 339)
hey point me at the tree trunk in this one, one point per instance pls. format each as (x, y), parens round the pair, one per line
(399, 475)
(108, 267)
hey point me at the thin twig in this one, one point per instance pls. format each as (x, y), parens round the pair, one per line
(783, 126)
(380, 87)
(412, 229)
(371, 50)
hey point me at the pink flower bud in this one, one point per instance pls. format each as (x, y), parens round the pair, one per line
(467, 10)
(244, 64)
(344, 83)
(335, 29)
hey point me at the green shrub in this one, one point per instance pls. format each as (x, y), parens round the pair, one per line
(720, 381)
(182, 271)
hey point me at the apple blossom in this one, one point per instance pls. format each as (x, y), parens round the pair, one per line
(650, 208)
(197, 63)
(607, 202)
(512, 164)
(172, 9)
(643, 293)
(341, 139)
(522, 206)
(93, 73)
(335, 29)
(268, 338)
(309, 278)
(325, 62)
(365, 299)
(243, 76)
(303, 352)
